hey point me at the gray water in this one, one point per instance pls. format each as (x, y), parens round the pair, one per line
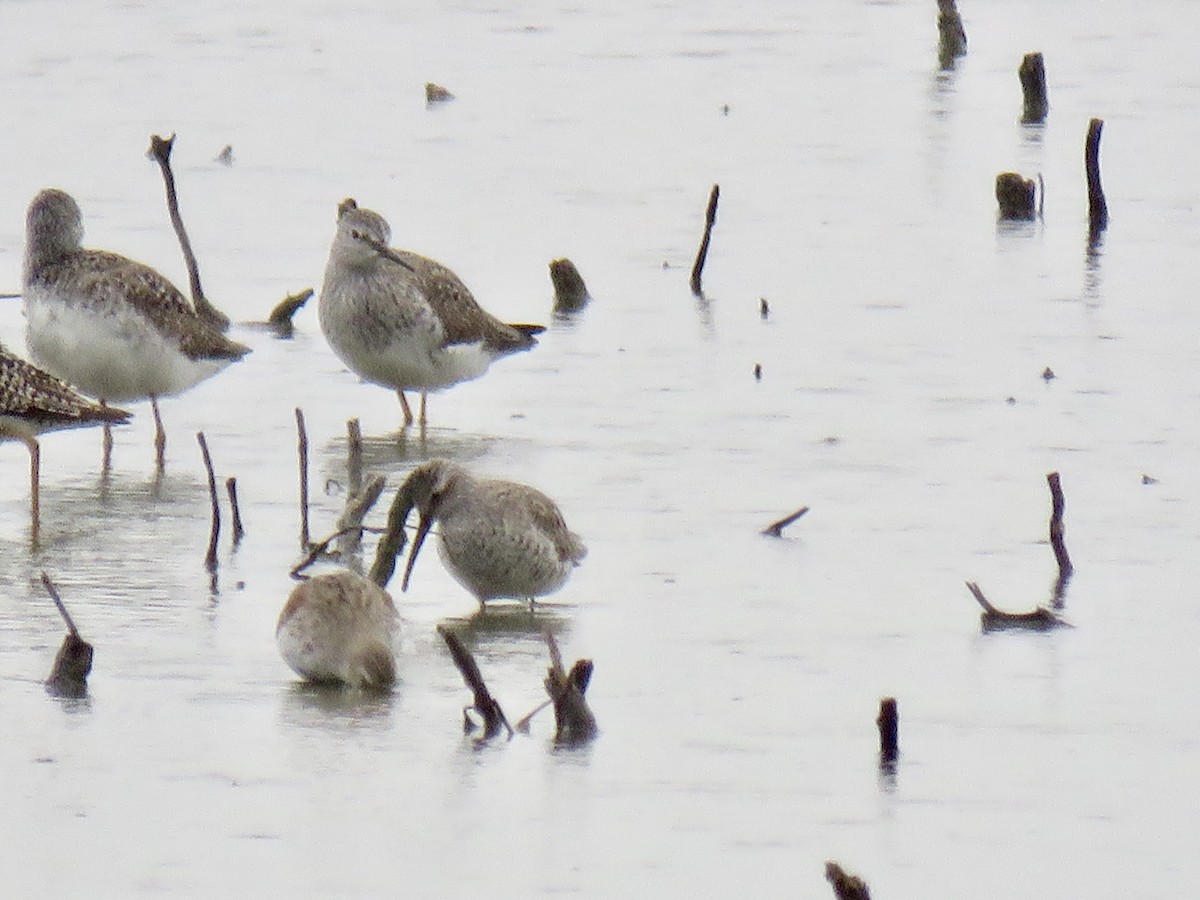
(737, 676)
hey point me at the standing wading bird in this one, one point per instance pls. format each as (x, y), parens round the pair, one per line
(401, 320)
(33, 401)
(497, 538)
(114, 328)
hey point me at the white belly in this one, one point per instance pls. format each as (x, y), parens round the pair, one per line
(116, 357)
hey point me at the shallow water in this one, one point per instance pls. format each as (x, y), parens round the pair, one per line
(737, 676)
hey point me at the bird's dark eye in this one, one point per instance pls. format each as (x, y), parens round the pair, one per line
(355, 233)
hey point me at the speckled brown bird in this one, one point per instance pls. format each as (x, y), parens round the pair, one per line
(114, 328)
(32, 402)
(402, 320)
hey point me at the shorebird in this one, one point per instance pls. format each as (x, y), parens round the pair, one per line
(401, 320)
(114, 328)
(32, 402)
(341, 628)
(498, 538)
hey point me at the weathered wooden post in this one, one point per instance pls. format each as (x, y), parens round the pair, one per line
(889, 731)
(1033, 85)
(952, 37)
(1097, 207)
(570, 293)
(1016, 196)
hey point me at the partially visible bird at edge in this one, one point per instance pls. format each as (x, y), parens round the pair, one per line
(32, 402)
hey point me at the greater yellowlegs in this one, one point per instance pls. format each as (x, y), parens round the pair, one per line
(33, 401)
(497, 538)
(114, 328)
(404, 321)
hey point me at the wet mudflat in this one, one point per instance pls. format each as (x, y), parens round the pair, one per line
(737, 676)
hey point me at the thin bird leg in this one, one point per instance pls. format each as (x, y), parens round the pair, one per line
(35, 477)
(106, 462)
(424, 397)
(408, 416)
(160, 436)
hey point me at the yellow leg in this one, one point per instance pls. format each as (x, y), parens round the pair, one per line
(408, 416)
(160, 437)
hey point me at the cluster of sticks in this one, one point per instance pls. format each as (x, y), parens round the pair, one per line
(574, 723)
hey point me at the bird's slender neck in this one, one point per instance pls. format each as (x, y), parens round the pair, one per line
(50, 240)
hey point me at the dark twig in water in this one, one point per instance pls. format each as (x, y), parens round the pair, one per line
(1040, 619)
(280, 319)
(710, 218)
(484, 703)
(73, 662)
(210, 558)
(889, 731)
(1057, 531)
(321, 549)
(160, 150)
(62, 608)
(845, 885)
(775, 529)
(349, 523)
(236, 513)
(302, 449)
(391, 545)
(574, 722)
(354, 456)
(1097, 206)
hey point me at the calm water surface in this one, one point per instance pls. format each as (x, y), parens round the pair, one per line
(737, 677)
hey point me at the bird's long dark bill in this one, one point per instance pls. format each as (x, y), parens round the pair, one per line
(385, 251)
(422, 530)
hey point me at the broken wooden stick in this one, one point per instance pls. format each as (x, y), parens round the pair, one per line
(710, 218)
(845, 885)
(574, 722)
(1016, 196)
(952, 37)
(354, 457)
(302, 450)
(73, 662)
(350, 522)
(1057, 506)
(281, 316)
(160, 150)
(1097, 206)
(484, 703)
(888, 722)
(1032, 73)
(235, 512)
(1039, 619)
(210, 558)
(775, 529)
(570, 293)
